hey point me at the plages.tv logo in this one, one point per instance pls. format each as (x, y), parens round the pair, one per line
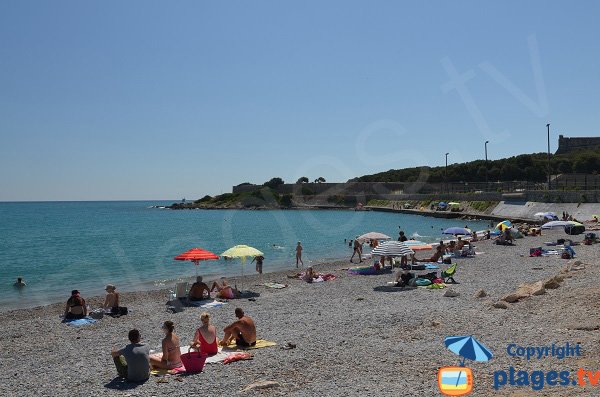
(458, 381)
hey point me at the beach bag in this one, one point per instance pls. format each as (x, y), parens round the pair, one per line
(193, 361)
(430, 276)
(566, 255)
(119, 311)
(422, 282)
(447, 260)
(97, 314)
(535, 251)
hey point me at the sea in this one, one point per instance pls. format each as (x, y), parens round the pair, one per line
(59, 246)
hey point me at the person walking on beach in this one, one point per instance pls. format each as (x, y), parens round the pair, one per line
(259, 263)
(299, 254)
(357, 250)
(133, 361)
(243, 331)
(403, 259)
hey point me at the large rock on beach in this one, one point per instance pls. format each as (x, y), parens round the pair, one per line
(537, 288)
(260, 385)
(554, 282)
(500, 305)
(451, 294)
(480, 294)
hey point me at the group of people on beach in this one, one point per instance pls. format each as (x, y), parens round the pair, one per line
(134, 361)
(76, 307)
(200, 291)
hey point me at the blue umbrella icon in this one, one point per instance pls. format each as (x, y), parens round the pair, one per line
(468, 348)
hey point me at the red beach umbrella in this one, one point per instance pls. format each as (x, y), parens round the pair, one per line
(196, 255)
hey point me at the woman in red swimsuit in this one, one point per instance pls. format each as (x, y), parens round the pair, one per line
(205, 339)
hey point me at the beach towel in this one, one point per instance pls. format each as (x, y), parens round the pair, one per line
(80, 322)
(260, 343)
(321, 277)
(324, 277)
(430, 266)
(275, 285)
(237, 357)
(363, 271)
(205, 305)
(164, 372)
(217, 358)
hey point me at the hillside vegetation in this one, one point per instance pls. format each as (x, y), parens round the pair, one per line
(525, 167)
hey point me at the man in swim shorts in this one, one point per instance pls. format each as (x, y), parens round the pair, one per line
(197, 291)
(243, 331)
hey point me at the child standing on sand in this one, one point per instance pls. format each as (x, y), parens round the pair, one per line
(299, 254)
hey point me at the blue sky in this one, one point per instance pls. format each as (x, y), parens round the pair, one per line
(163, 100)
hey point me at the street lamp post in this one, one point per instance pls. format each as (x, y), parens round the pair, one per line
(486, 167)
(548, 127)
(446, 172)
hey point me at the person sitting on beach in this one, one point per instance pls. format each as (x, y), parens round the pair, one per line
(171, 353)
(205, 339)
(310, 275)
(488, 235)
(434, 258)
(451, 248)
(19, 283)
(75, 308)
(111, 302)
(225, 291)
(508, 236)
(474, 236)
(243, 331)
(403, 277)
(197, 290)
(133, 361)
(460, 243)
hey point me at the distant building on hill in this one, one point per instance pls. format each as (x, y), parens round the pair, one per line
(566, 145)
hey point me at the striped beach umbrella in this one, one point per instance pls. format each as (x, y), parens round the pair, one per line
(393, 249)
(468, 348)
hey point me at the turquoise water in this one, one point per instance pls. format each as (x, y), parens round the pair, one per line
(59, 246)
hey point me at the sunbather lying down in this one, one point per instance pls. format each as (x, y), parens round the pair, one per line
(224, 290)
(310, 276)
(439, 252)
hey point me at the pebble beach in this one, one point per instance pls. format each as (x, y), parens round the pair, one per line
(354, 336)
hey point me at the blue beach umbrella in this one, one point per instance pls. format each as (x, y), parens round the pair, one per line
(457, 230)
(468, 348)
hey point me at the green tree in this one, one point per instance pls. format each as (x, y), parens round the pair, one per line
(302, 180)
(274, 182)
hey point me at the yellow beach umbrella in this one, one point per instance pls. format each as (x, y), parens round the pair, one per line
(242, 252)
(504, 225)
